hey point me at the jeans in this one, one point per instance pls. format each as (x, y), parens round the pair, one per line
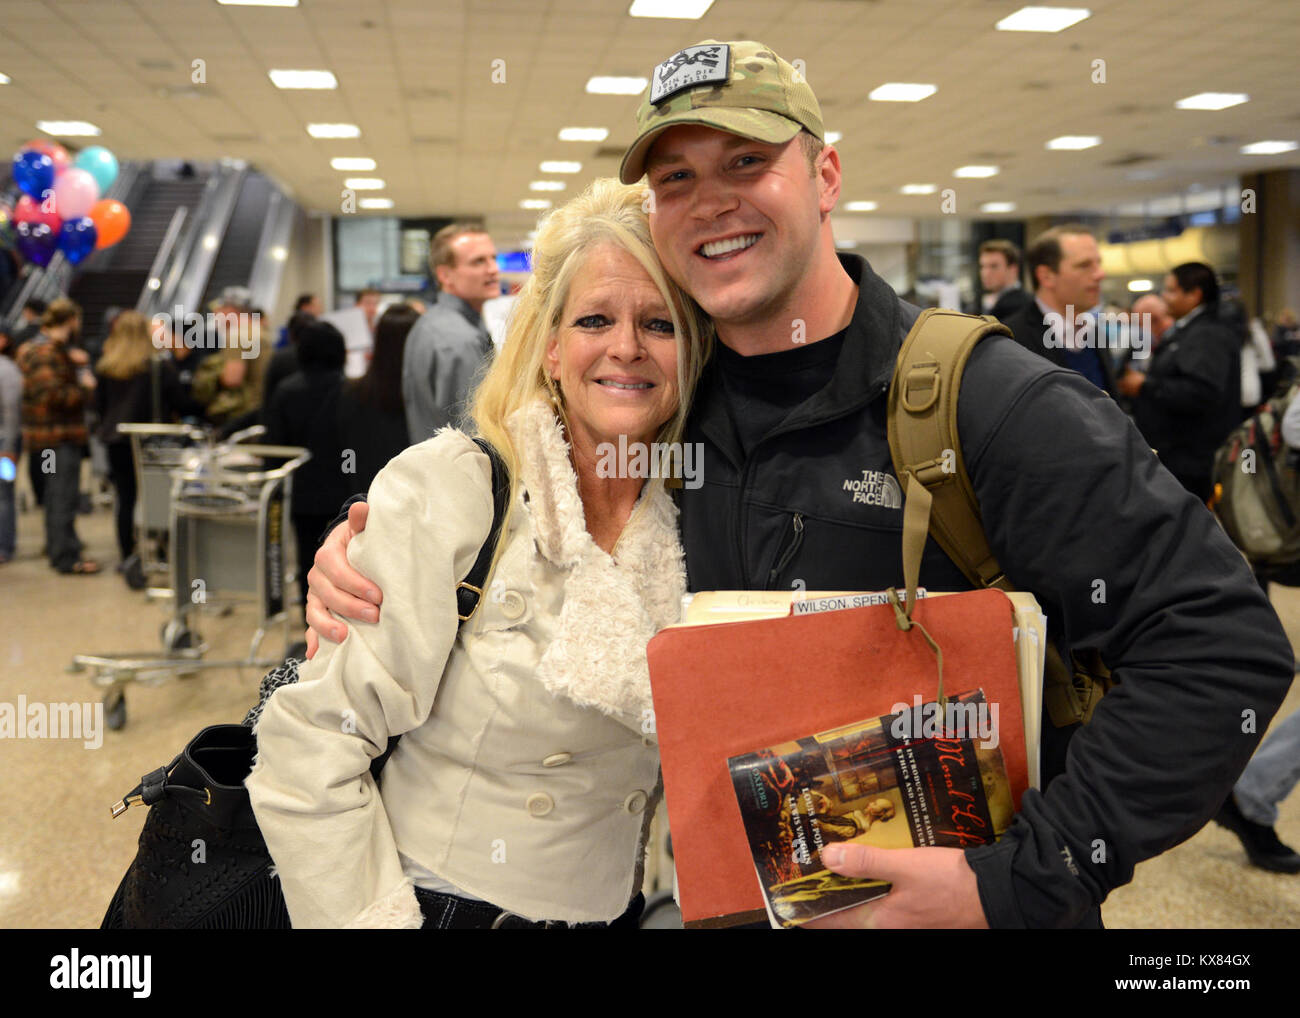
(121, 470)
(62, 490)
(1271, 774)
(8, 520)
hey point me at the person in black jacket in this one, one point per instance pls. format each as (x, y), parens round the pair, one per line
(134, 384)
(999, 262)
(304, 412)
(1190, 397)
(791, 417)
(372, 416)
(1065, 264)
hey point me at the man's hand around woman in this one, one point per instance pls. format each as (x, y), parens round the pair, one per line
(334, 586)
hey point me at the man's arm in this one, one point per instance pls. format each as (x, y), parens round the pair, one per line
(1079, 511)
(1202, 371)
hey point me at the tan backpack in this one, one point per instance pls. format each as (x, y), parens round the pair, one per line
(939, 498)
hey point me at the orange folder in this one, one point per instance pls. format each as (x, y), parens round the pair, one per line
(730, 688)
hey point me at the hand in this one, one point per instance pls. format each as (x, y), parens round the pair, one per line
(232, 373)
(933, 888)
(78, 355)
(333, 585)
(1130, 383)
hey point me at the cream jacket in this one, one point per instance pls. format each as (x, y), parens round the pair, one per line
(527, 768)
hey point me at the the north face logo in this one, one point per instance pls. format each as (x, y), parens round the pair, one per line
(876, 488)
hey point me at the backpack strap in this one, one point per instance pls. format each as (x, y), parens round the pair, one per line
(939, 497)
(926, 453)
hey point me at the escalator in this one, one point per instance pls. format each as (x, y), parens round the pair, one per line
(116, 276)
(239, 246)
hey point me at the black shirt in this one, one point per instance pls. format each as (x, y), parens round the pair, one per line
(763, 389)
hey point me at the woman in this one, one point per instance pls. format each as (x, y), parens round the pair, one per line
(372, 419)
(523, 785)
(132, 385)
(304, 412)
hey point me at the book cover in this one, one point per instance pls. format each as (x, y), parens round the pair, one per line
(922, 776)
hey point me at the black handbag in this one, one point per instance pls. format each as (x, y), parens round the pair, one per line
(202, 862)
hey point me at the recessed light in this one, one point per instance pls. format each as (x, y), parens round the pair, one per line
(1074, 142)
(1043, 19)
(608, 85)
(560, 166)
(687, 9)
(364, 183)
(334, 130)
(352, 163)
(917, 189)
(1212, 101)
(975, 171)
(209, 243)
(303, 79)
(279, 253)
(375, 203)
(5, 79)
(584, 133)
(1268, 148)
(534, 203)
(902, 92)
(861, 206)
(998, 206)
(546, 185)
(1141, 285)
(833, 136)
(68, 128)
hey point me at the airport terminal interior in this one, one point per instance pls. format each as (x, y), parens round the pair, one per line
(293, 162)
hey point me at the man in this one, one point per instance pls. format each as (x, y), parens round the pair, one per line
(309, 303)
(1190, 396)
(1059, 323)
(368, 301)
(793, 404)
(55, 387)
(450, 344)
(227, 382)
(29, 322)
(1000, 279)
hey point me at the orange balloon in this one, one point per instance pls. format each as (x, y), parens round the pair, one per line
(112, 221)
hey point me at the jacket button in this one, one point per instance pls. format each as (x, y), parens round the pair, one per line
(512, 604)
(635, 802)
(539, 804)
(557, 760)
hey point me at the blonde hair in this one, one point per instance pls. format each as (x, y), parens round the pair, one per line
(607, 212)
(128, 347)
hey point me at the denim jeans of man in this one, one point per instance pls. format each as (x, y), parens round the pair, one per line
(1271, 774)
(8, 521)
(62, 489)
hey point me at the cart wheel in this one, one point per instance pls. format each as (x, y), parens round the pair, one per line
(176, 635)
(115, 710)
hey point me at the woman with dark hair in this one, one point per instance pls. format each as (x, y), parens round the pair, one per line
(303, 411)
(372, 422)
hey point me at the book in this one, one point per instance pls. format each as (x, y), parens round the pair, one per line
(724, 689)
(917, 777)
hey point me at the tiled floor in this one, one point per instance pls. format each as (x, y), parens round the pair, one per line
(61, 855)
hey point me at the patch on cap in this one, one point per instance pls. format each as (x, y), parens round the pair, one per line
(695, 65)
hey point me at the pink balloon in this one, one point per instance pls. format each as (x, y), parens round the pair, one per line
(75, 193)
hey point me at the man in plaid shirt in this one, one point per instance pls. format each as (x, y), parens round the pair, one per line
(54, 428)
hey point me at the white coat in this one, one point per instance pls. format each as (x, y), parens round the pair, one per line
(528, 768)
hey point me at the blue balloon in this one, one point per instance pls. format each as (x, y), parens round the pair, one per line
(7, 471)
(77, 239)
(33, 173)
(100, 163)
(37, 242)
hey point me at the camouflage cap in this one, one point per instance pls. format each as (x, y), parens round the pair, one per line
(742, 88)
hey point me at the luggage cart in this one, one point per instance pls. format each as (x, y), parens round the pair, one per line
(157, 451)
(228, 529)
